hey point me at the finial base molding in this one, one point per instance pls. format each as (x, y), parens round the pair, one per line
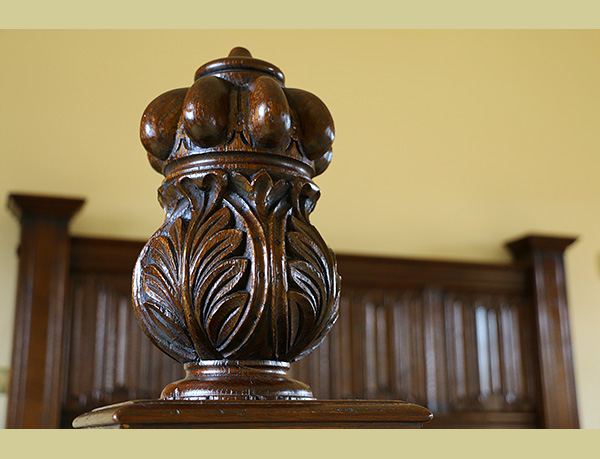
(236, 380)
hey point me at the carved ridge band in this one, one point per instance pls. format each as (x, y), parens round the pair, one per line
(206, 162)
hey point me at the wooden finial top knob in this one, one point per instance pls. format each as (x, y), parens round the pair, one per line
(239, 52)
(237, 106)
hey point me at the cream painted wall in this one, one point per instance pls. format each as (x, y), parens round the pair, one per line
(448, 142)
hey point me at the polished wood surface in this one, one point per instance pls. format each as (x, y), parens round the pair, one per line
(544, 255)
(36, 374)
(315, 414)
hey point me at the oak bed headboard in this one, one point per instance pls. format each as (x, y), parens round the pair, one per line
(482, 345)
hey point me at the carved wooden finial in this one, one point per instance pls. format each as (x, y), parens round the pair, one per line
(237, 283)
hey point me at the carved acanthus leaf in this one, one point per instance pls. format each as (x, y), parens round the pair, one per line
(158, 284)
(240, 264)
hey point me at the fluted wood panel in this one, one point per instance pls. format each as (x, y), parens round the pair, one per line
(449, 351)
(107, 357)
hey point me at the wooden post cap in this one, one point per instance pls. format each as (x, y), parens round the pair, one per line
(238, 104)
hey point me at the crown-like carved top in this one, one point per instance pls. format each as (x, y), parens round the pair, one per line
(237, 106)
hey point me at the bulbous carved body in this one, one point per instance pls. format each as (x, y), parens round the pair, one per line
(237, 276)
(236, 271)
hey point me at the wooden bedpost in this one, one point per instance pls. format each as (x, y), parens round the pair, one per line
(237, 283)
(544, 255)
(35, 389)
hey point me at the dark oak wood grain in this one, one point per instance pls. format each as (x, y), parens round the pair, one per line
(36, 376)
(316, 414)
(544, 255)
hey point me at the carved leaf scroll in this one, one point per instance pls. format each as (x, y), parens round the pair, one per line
(156, 283)
(241, 264)
(312, 267)
(214, 274)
